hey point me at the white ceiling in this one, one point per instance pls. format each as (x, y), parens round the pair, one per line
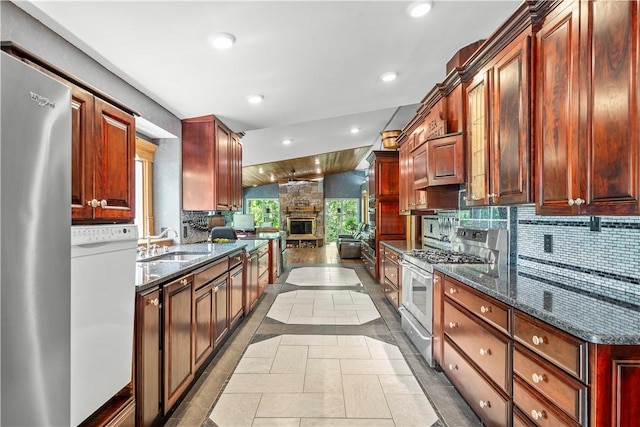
(317, 63)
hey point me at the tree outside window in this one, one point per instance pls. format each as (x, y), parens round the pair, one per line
(341, 217)
(265, 211)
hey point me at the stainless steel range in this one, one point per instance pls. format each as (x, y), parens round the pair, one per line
(486, 249)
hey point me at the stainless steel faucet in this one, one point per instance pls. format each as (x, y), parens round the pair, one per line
(160, 236)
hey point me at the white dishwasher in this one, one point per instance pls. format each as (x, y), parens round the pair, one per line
(103, 269)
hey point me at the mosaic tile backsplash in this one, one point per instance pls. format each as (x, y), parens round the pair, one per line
(609, 258)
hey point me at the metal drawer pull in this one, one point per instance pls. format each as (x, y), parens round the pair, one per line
(453, 291)
(154, 301)
(537, 415)
(485, 404)
(453, 367)
(183, 282)
(538, 378)
(484, 352)
(453, 325)
(537, 340)
(485, 309)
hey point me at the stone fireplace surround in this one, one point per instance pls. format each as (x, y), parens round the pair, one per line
(303, 199)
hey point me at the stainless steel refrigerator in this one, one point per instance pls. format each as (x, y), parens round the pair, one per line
(35, 219)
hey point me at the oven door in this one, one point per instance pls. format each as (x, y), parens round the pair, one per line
(417, 296)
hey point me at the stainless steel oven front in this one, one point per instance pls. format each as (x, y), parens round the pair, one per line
(417, 307)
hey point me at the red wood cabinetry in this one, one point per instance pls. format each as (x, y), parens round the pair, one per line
(178, 343)
(211, 166)
(588, 154)
(103, 160)
(498, 131)
(147, 380)
(236, 290)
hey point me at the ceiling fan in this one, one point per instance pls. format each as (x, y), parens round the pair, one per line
(293, 179)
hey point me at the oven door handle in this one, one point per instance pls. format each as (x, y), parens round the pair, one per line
(413, 269)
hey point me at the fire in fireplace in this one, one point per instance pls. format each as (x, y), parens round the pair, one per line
(301, 226)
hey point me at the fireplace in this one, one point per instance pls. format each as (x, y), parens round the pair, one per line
(301, 227)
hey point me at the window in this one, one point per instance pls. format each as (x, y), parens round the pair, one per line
(265, 211)
(341, 217)
(145, 151)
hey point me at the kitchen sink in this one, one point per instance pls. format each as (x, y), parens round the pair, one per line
(174, 257)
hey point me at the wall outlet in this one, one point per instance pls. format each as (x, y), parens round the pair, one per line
(548, 243)
(594, 223)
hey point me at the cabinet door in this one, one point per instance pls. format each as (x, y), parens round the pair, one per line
(251, 288)
(203, 309)
(612, 174)
(115, 150)
(198, 190)
(510, 181)
(445, 160)
(387, 176)
(477, 96)
(236, 279)
(178, 339)
(236, 174)
(419, 161)
(147, 358)
(223, 167)
(405, 188)
(557, 112)
(82, 154)
(221, 291)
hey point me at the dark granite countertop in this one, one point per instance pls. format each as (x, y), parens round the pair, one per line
(151, 274)
(603, 316)
(606, 316)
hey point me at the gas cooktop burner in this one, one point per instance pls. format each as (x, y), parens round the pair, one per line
(446, 257)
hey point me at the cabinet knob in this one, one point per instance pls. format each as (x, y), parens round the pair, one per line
(571, 202)
(183, 282)
(485, 309)
(154, 301)
(93, 203)
(485, 352)
(453, 291)
(492, 195)
(453, 367)
(579, 201)
(537, 378)
(485, 404)
(536, 340)
(103, 203)
(453, 325)
(537, 415)
(436, 279)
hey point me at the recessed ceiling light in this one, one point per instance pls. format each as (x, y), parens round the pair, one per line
(222, 40)
(389, 76)
(355, 130)
(255, 99)
(287, 141)
(420, 8)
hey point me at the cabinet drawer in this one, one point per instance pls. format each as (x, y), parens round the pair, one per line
(563, 349)
(481, 305)
(566, 392)
(492, 407)
(210, 272)
(263, 264)
(542, 413)
(481, 343)
(235, 259)
(391, 292)
(391, 255)
(391, 273)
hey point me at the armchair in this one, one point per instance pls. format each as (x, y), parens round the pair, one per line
(349, 244)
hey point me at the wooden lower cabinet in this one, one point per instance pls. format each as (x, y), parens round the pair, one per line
(236, 284)
(541, 411)
(147, 354)
(203, 307)
(178, 363)
(492, 406)
(251, 287)
(390, 277)
(221, 308)
(263, 269)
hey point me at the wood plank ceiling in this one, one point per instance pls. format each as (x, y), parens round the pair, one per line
(303, 168)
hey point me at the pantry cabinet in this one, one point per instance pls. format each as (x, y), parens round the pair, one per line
(587, 121)
(498, 131)
(103, 160)
(211, 166)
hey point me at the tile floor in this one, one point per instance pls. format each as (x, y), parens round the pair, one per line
(277, 370)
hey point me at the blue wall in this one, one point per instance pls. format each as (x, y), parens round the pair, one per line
(343, 185)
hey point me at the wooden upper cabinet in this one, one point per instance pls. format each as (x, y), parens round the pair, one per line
(587, 122)
(211, 166)
(419, 163)
(477, 95)
(510, 182)
(611, 177)
(445, 160)
(386, 175)
(557, 110)
(498, 131)
(103, 161)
